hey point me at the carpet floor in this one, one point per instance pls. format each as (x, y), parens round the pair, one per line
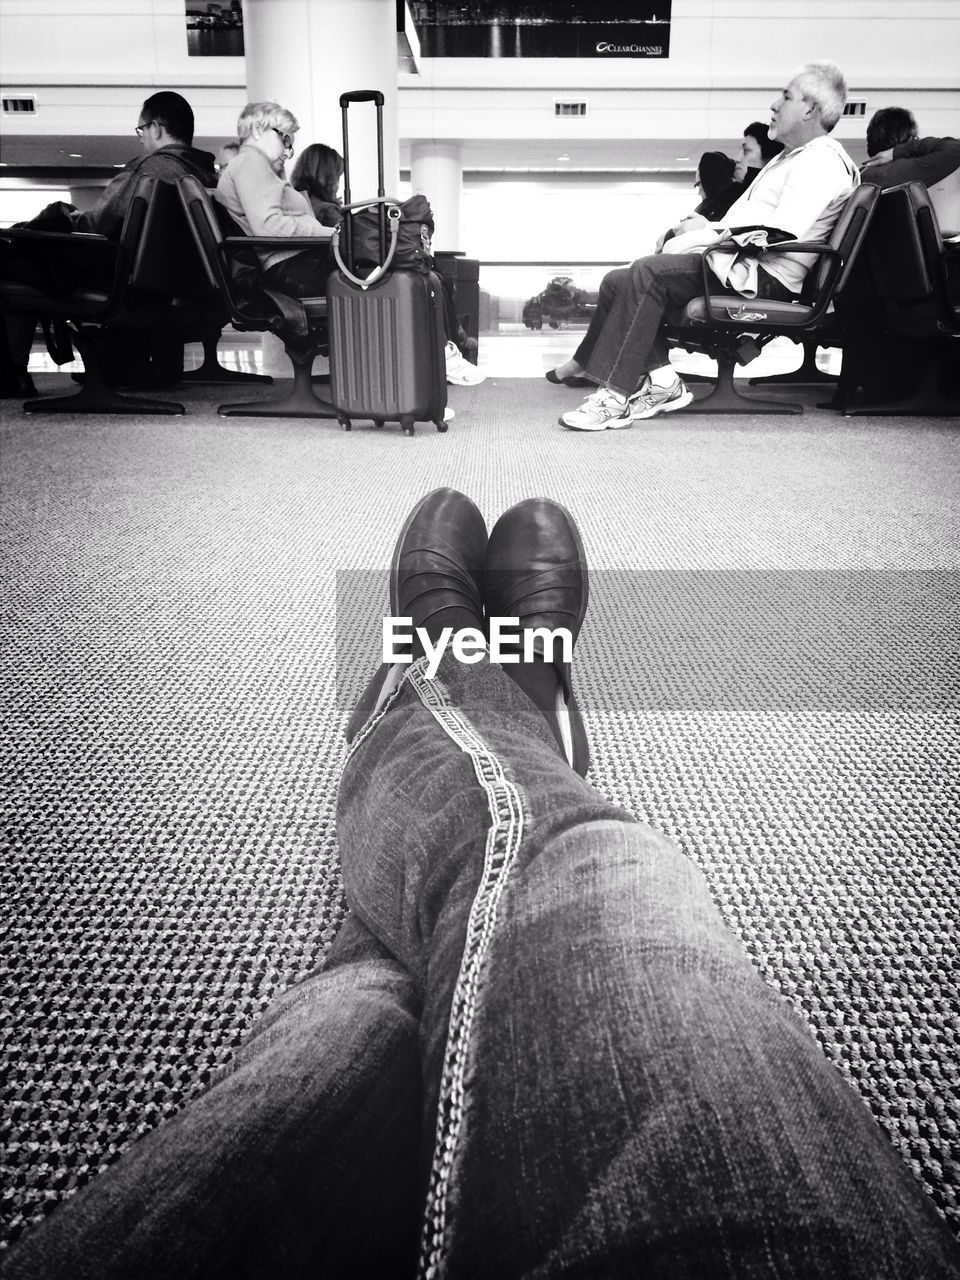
(769, 674)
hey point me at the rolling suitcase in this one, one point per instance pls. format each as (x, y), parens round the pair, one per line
(386, 330)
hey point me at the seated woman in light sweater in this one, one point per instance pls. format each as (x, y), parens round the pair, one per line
(265, 204)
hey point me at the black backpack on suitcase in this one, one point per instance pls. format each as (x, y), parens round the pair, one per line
(387, 341)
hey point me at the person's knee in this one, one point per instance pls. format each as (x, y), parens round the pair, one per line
(613, 282)
(620, 880)
(646, 270)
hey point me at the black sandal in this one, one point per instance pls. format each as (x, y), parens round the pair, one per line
(551, 376)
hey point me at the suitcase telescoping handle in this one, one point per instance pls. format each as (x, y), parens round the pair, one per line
(362, 95)
(376, 97)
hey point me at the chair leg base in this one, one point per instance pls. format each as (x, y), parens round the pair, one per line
(92, 398)
(298, 404)
(725, 398)
(925, 401)
(816, 378)
(212, 372)
(301, 402)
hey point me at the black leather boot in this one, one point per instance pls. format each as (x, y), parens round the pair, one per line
(536, 570)
(436, 580)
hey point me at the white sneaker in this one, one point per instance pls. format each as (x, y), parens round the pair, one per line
(460, 372)
(601, 410)
(651, 399)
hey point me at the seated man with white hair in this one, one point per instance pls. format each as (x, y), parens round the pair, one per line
(797, 195)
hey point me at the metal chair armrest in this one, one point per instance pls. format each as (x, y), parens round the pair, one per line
(55, 237)
(276, 242)
(819, 247)
(76, 247)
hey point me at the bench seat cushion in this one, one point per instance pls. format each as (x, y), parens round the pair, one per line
(747, 311)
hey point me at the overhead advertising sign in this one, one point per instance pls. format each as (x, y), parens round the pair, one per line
(214, 28)
(599, 29)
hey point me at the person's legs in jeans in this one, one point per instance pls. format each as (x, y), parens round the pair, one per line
(623, 338)
(610, 287)
(625, 351)
(631, 341)
(301, 1161)
(609, 1087)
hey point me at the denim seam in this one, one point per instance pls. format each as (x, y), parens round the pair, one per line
(630, 344)
(504, 836)
(378, 715)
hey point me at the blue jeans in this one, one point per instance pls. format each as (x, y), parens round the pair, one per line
(534, 1051)
(624, 339)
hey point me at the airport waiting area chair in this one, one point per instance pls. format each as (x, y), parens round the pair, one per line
(87, 283)
(908, 311)
(233, 267)
(166, 262)
(734, 330)
(145, 295)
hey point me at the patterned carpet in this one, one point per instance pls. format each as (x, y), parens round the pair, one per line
(769, 673)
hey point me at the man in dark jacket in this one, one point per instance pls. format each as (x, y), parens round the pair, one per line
(165, 130)
(880, 360)
(898, 155)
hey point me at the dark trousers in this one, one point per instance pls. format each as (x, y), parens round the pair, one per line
(625, 339)
(304, 275)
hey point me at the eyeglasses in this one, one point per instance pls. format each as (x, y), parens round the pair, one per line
(140, 127)
(285, 138)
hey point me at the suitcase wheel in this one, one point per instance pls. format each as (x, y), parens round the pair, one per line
(378, 422)
(408, 425)
(440, 424)
(344, 422)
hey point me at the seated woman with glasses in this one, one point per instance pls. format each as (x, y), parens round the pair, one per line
(255, 193)
(262, 202)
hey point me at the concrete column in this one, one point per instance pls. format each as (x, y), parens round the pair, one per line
(305, 53)
(436, 171)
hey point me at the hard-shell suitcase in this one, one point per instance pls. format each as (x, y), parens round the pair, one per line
(386, 331)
